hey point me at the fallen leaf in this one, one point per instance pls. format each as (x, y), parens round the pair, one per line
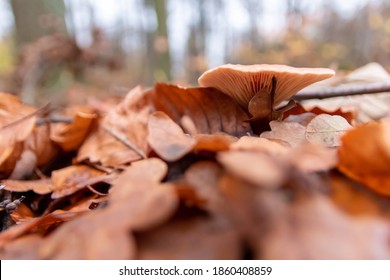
(90, 237)
(316, 229)
(39, 225)
(257, 144)
(291, 133)
(137, 202)
(257, 168)
(42, 186)
(203, 178)
(40, 144)
(299, 109)
(210, 110)
(213, 142)
(24, 248)
(70, 136)
(70, 179)
(167, 139)
(194, 238)
(326, 130)
(101, 147)
(312, 158)
(365, 155)
(121, 135)
(355, 199)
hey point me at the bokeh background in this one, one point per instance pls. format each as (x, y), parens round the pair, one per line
(56, 48)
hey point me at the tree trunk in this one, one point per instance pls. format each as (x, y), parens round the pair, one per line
(34, 18)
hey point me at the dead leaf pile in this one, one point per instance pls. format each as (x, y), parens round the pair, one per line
(178, 173)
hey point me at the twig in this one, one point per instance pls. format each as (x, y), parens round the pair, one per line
(54, 119)
(36, 112)
(342, 91)
(123, 139)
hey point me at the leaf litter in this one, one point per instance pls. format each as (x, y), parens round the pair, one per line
(178, 173)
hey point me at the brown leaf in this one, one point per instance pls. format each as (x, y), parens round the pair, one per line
(138, 191)
(354, 199)
(213, 142)
(17, 122)
(91, 237)
(365, 155)
(300, 109)
(39, 224)
(137, 202)
(42, 186)
(194, 238)
(257, 168)
(24, 248)
(312, 158)
(103, 148)
(326, 130)
(70, 136)
(121, 135)
(250, 143)
(316, 229)
(40, 144)
(203, 178)
(167, 139)
(291, 133)
(210, 110)
(70, 179)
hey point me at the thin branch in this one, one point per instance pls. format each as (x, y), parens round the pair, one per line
(26, 117)
(124, 140)
(342, 91)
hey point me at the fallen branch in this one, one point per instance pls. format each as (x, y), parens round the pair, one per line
(342, 91)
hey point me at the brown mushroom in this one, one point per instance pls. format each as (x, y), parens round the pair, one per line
(260, 88)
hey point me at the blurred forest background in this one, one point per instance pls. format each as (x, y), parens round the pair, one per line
(56, 48)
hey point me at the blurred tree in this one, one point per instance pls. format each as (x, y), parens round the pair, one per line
(35, 18)
(159, 58)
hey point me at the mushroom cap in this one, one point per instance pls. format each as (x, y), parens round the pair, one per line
(242, 82)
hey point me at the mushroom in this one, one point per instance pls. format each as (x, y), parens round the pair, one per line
(260, 88)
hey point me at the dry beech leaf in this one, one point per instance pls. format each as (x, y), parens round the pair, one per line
(365, 155)
(259, 169)
(128, 121)
(193, 238)
(312, 158)
(290, 133)
(302, 119)
(103, 148)
(299, 110)
(137, 202)
(210, 110)
(22, 214)
(42, 186)
(121, 136)
(17, 122)
(24, 248)
(39, 224)
(203, 178)
(70, 136)
(167, 139)
(70, 179)
(138, 192)
(315, 229)
(40, 143)
(355, 199)
(90, 237)
(213, 142)
(326, 130)
(251, 143)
